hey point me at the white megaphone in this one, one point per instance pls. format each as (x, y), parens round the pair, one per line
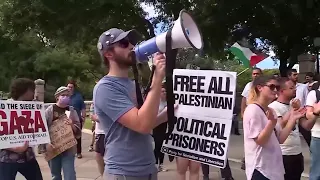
(184, 34)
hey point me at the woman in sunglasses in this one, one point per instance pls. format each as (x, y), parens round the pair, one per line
(262, 133)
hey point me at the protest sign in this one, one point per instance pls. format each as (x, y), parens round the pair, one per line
(204, 117)
(22, 121)
(62, 137)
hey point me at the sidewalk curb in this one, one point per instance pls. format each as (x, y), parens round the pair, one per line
(87, 131)
(305, 175)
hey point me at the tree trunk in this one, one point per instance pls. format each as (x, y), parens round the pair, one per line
(283, 56)
(283, 68)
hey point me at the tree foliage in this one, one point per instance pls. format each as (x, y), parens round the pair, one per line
(286, 27)
(56, 40)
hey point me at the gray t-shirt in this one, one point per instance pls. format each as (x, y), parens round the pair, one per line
(127, 152)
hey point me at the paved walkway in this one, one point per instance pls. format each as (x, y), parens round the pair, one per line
(86, 167)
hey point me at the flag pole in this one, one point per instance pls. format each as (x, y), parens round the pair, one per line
(242, 72)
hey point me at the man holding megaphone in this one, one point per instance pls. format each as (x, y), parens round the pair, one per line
(129, 151)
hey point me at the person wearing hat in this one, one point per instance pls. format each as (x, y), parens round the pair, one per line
(65, 160)
(129, 150)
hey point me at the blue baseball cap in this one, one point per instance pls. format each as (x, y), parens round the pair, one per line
(115, 35)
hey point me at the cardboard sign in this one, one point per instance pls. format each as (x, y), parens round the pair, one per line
(22, 121)
(62, 137)
(206, 100)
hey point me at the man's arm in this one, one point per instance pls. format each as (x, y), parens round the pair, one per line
(120, 108)
(243, 105)
(83, 109)
(312, 106)
(307, 124)
(163, 116)
(244, 95)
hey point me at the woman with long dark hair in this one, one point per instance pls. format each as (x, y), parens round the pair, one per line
(262, 133)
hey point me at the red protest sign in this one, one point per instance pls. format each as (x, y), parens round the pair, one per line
(22, 121)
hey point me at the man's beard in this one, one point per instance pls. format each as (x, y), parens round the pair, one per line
(124, 62)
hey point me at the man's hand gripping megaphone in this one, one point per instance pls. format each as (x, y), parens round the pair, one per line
(159, 63)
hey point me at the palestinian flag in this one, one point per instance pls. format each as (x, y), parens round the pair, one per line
(247, 56)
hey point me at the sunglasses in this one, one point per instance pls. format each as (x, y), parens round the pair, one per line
(124, 43)
(273, 87)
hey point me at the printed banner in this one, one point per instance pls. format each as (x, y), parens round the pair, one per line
(62, 137)
(22, 121)
(205, 92)
(206, 100)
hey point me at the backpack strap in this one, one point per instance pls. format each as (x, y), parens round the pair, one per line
(318, 95)
(136, 80)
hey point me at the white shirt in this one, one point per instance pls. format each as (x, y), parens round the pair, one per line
(311, 99)
(292, 145)
(302, 93)
(162, 105)
(98, 129)
(245, 92)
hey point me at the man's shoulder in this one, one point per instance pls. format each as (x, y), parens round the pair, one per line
(110, 88)
(279, 107)
(277, 104)
(273, 104)
(109, 81)
(302, 86)
(247, 86)
(106, 87)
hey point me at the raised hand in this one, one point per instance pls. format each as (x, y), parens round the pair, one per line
(295, 104)
(297, 114)
(271, 116)
(95, 118)
(49, 147)
(68, 121)
(316, 108)
(159, 61)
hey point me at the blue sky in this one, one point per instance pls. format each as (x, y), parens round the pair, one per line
(266, 64)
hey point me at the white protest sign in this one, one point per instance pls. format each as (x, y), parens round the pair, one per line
(206, 99)
(22, 121)
(205, 92)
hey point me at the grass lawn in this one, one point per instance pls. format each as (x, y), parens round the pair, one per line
(87, 124)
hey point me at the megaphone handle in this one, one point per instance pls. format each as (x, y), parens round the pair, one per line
(146, 91)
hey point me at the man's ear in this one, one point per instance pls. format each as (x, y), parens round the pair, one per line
(108, 54)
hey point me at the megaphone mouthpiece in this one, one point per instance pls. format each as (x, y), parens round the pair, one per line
(184, 34)
(146, 49)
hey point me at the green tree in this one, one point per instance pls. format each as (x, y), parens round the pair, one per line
(57, 39)
(286, 27)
